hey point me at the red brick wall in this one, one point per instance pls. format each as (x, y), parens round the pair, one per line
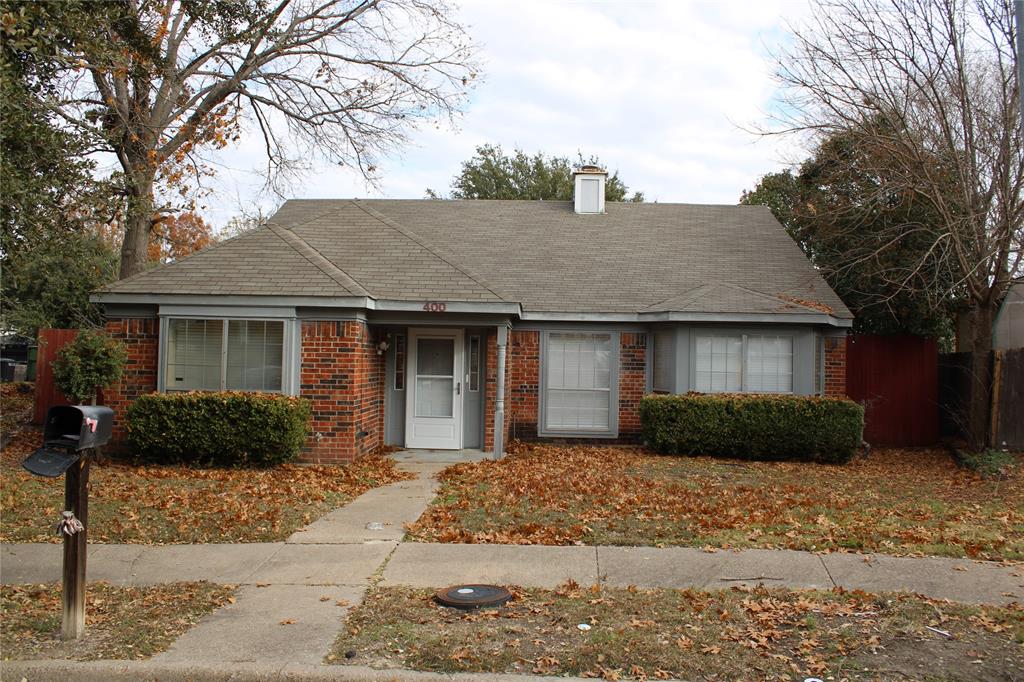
(343, 376)
(141, 339)
(835, 366)
(632, 383)
(524, 384)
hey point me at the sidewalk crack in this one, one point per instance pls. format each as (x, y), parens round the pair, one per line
(255, 570)
(827, 572)
(597, 563)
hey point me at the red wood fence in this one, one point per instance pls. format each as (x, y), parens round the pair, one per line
(47, 393)
(896, 379)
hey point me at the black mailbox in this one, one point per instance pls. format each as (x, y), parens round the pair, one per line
(78, 427)
(70, 430)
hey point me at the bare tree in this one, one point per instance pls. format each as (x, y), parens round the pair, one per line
(930, 87)
(160, 83)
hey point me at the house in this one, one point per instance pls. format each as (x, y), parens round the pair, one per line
(462, 324)
(1008, 329)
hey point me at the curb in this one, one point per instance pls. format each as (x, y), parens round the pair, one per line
(149, 671)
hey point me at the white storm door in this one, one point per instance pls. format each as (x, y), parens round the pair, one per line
(433, 410)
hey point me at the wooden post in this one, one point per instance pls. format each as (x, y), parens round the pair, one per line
(997, 381)
(76, 500)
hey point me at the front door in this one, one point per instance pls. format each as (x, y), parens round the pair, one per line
(433, 411)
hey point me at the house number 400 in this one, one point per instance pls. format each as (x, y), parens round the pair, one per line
(435, 307)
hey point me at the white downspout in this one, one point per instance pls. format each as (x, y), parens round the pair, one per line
(499, 398)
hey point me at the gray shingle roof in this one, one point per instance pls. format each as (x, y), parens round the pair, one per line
(634, 258)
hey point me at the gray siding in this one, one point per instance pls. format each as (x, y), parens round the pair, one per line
(1009, 326)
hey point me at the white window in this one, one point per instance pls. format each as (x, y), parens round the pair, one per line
(212, 355)
(664, 367)
(739, 362)
(578, 382)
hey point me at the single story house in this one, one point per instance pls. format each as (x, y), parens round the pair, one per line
(462, 324)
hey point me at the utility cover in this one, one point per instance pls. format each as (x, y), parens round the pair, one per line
(472, 596)
(50, 462)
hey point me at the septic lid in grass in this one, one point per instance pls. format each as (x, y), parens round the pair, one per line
(472, 596)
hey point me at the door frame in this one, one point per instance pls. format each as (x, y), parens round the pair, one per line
(412, 346)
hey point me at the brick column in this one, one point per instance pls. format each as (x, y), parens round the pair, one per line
(141, 339)
(632, 382)
(835, 366)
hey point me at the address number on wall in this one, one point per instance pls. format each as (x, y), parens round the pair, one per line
(435, 306)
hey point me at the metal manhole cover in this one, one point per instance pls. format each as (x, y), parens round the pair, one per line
(472, 596)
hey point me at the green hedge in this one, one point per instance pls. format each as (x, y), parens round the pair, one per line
(218, 429)
(752, 426)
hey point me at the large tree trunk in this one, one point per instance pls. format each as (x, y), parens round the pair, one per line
(982, 316)
(138, 224)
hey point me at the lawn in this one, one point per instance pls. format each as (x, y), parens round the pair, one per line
(905, 502)
(120, 622)
(650, 634)
(174, 504)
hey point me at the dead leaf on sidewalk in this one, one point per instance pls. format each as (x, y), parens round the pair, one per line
(288, 621)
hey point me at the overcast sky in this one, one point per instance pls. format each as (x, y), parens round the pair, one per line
(660, 91)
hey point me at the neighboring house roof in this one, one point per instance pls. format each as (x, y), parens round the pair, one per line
(635, 258)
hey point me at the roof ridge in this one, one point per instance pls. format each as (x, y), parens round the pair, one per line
(318, 260)
(437, 251)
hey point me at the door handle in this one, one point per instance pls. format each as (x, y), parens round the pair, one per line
(458, 388)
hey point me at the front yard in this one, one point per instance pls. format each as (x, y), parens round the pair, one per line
(174, 504)
(903, 502)
(121, 622)
(686, 634)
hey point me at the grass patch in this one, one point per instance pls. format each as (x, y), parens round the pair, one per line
(754, 633)
(894, 501)
(177, 504)
(121, 622)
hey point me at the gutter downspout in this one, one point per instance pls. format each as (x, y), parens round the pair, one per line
(821, 364)
(499, 398)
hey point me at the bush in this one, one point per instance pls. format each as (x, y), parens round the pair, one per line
(988, 464)
(224, 429)
(90, 362)
(751, 426)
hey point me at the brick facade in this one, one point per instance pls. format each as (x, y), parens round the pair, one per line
(632, 383)
(343, 376)
(835, 366)
(524, 384)
(141, 340)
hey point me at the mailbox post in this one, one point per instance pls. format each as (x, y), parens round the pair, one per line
(71, 434)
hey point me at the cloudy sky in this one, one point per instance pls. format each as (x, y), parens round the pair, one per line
(664, 92)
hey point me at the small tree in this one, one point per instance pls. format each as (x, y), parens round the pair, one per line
(90, 362)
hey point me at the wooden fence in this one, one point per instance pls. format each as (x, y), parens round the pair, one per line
(47, 393)
(896, 378)
(1005, 404)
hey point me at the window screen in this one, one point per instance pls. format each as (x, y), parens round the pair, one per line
(578, 382)
(769, 366)
(744, 363)
(194, 355)
(718, 363)
(664, 367)
(255, 348)
(213, 355)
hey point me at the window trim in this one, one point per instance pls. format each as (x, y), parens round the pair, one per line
(613, 392)
(290, 349)
(743, 336)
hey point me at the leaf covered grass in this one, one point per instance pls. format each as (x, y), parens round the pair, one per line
(120, 622)
(177, 504)
(742, 633)
(904, 502)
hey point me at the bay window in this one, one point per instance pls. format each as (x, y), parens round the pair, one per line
(733, 363)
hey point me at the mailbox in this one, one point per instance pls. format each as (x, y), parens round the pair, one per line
(70, 430)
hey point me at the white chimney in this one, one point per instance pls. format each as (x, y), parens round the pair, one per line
(589, 189)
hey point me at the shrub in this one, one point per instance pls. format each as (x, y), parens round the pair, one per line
(988, 463)
(218, 429)
(751, 426)
(91, 361)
